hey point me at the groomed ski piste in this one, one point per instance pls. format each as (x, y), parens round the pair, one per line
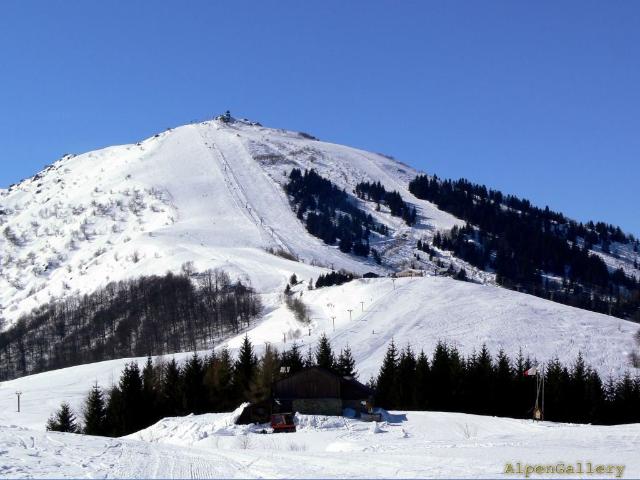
(410, 311)
(211, 193)
(403, 445)
(208, 193)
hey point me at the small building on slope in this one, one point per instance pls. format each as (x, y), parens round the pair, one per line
(317, 391)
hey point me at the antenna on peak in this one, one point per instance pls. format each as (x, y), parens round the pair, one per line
(225, 117)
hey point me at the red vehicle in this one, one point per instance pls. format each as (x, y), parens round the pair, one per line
(282, 422)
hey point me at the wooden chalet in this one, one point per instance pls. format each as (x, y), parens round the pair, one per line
(319, 391)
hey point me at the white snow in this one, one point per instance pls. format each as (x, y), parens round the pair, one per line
(419, 312)
(405, 445)
(212, 194)
(204, 193)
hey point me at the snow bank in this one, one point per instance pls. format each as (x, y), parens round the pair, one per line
(424, 445)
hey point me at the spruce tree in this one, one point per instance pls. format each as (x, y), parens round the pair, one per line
(480, 378)
(115, 413)
(245, 369)
(387, 382)
(406, 378)
(171, 390)
(422, 381)
(577, 394)
(346, 365)
(63, 420)
(440, 396)
(95, 413)
(292, 359)
(193, 389)
(132, 399)
(150, 393)
(324, 354)
(522, 388)
(309, 359)
(267, 372)
(218, 382)
(503, 392)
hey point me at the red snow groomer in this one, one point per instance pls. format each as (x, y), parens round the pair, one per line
(282, 423)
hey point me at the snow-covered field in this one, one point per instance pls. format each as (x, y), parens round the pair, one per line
(405, 445)
(415, 311)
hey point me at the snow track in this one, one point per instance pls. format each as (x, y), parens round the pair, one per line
(237, 191)
(405, 445)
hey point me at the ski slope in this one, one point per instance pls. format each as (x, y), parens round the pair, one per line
(422, 311)
(417, 312)
(203, 193)
(404, 445)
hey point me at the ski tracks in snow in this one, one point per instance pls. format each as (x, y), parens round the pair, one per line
(240, 197)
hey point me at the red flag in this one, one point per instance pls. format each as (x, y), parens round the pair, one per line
(531, 372)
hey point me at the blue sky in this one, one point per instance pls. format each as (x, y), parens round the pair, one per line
(541, 99)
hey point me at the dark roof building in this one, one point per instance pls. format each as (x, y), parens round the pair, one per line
(319, 391)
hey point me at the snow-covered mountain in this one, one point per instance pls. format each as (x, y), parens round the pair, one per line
(209, 193)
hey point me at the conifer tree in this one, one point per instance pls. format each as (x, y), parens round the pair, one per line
(131, 389)
(267, 372)
(309, 359)
(422, 381)
(95, 413)
(150, 392)
(504, 389)
(480, 378)
(63, 420)
(245, 368)
(292, 359)
(346, 365)
(193, 390)
(406, 378)
(219, 382)
(387, 382)
(171, 390)
(115, 409)
(324, 354)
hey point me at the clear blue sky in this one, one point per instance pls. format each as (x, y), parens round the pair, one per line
(541, 99)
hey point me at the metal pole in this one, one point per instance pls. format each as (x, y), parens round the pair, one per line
(349, 310)
(18, 394)
(543, 393)
(333, 319)
(362, 305)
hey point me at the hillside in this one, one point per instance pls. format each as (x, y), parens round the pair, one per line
(405, 445)
(212, 195)
(208, 193)
(419, 312)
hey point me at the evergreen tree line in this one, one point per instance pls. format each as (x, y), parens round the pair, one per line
(478, 384)
(330, 214)
(481, 384)
(149, 315)
(376, 192)
(333, 278)
(214, 383)
(522, 243)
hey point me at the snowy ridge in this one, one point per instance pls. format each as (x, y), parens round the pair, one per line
(210, 193)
